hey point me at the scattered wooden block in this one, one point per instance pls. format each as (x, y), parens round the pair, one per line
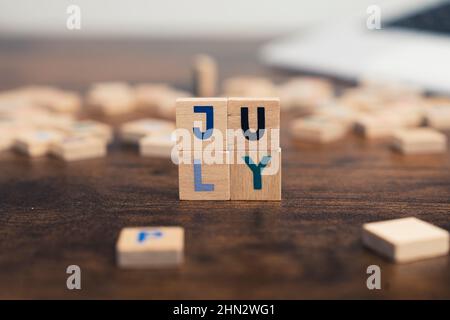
(166, 107)
(376, 126)
(419, 141)
(91, 128)
(132, 132)
(406, 240)
(318, 129)
(247, 86)
(53, 99)
(150, 95)
(79, 148)
(205, 76)
(438, 116)
(204, 121)
(158, 145)
(338, 113)
(202, 178)
(36, 143)
(255, 123)
(150, 247)
(256, 175)
(111, 98)
(305, 93)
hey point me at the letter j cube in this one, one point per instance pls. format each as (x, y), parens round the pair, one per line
(201, 122)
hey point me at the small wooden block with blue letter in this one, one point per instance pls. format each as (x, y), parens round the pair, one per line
(205, 121)
(255, 123)
(256, 175)
(204, 177)
(150, 247)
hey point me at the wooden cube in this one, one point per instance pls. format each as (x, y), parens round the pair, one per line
(255, 175)
(132, 132)
(305, 93)
(149, 94)
(111, 98)
(204, 178)
(79, 148)
(254, 123)
(91, 128)
(249, 86)
(419, 141)
(144, 247)
(158, 145)
(205, 76)
(318, 129)
(36, 143)
(406, 240)
(438, 116)
(203, 122)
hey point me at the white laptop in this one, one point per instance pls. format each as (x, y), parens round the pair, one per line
(412, 46)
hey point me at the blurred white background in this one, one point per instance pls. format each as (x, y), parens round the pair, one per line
(170, 18)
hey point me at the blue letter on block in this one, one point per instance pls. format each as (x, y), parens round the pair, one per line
(257, 169)
(209, 122)
(199, 186)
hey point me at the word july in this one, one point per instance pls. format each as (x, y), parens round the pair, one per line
(217, 165)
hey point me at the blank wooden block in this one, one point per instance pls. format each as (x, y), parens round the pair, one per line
(406, 240)
(255, 123)
(338, 113)
(36, 143)
(91, 128)
(166, 107)
(53, 99)
(248, 86)
(148, 95)
(158, 145)
(204, 179)
(204, 121)
(111, 98)
(132, 132)
(145, 247)
(438, 116)
(79, 148)
(205, 76)
(419, 141)
(255, 175)
(318, 129)
(305, 93)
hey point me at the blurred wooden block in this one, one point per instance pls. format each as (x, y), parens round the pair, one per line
(256, 175)
(202, 178)
(438, 116)
(305, 93)
(111, 98)
(338, 113)
(166, 107)
(406, 240)
(150, 95)
(158, 145)
(255, 123)
(144, 247)
(36, 143)
(79, 148)
(204, 121)
(248, 86)
(205, 76)
(419, 141)
(91, 128)
(318, 129)
(54, 99)
(132, 132)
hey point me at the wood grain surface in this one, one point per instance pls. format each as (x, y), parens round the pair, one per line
(55, 214)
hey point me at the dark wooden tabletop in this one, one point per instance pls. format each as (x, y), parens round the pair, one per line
(54, 214)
